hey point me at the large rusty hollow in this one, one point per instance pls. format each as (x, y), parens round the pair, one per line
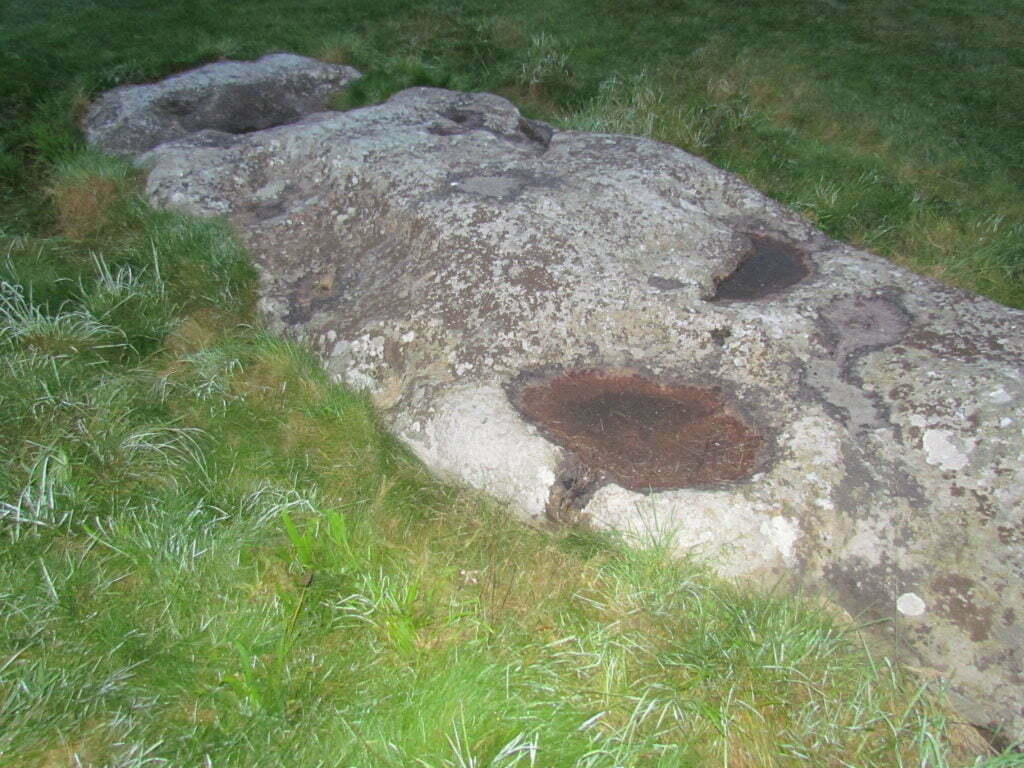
(639, 433)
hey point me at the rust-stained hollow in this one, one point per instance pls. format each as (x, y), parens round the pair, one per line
(772, 266)
(642, 434)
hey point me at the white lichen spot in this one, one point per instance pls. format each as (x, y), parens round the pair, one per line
(938, 444)
(1000, 396)
(782, 533)
(910, 604)
(369, 346)
(408, 336)
(359, 380)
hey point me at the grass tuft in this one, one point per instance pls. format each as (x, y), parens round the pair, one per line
(84, 191)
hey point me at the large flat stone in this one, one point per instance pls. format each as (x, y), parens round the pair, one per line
(444, 253)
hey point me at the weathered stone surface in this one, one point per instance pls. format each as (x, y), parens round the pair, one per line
(228, 96)
(440, 250)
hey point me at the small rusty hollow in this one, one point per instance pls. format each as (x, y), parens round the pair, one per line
(772, 267)
(642, 434)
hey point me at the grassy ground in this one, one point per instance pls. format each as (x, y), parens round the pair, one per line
(213, 556)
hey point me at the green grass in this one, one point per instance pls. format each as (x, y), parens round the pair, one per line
(211, 555)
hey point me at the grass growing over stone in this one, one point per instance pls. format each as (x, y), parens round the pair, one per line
(211, 555)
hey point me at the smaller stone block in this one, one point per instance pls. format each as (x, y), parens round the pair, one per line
(231, 97)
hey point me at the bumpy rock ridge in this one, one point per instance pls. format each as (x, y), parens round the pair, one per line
(438, 247)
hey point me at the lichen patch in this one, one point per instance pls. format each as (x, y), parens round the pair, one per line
(941, 450)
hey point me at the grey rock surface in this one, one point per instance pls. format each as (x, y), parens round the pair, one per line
(228, 96)
(440, 250)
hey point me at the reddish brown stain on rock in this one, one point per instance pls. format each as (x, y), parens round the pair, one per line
(643, 434)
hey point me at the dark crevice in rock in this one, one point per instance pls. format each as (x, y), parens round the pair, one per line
(721, 335)
(445, 128)
(536, 131)
(664, 283)
(642, 434)
(269, 210)
(1000, 741)
(772, 267)
(320, 289)
(467, 118)
(572, 490)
